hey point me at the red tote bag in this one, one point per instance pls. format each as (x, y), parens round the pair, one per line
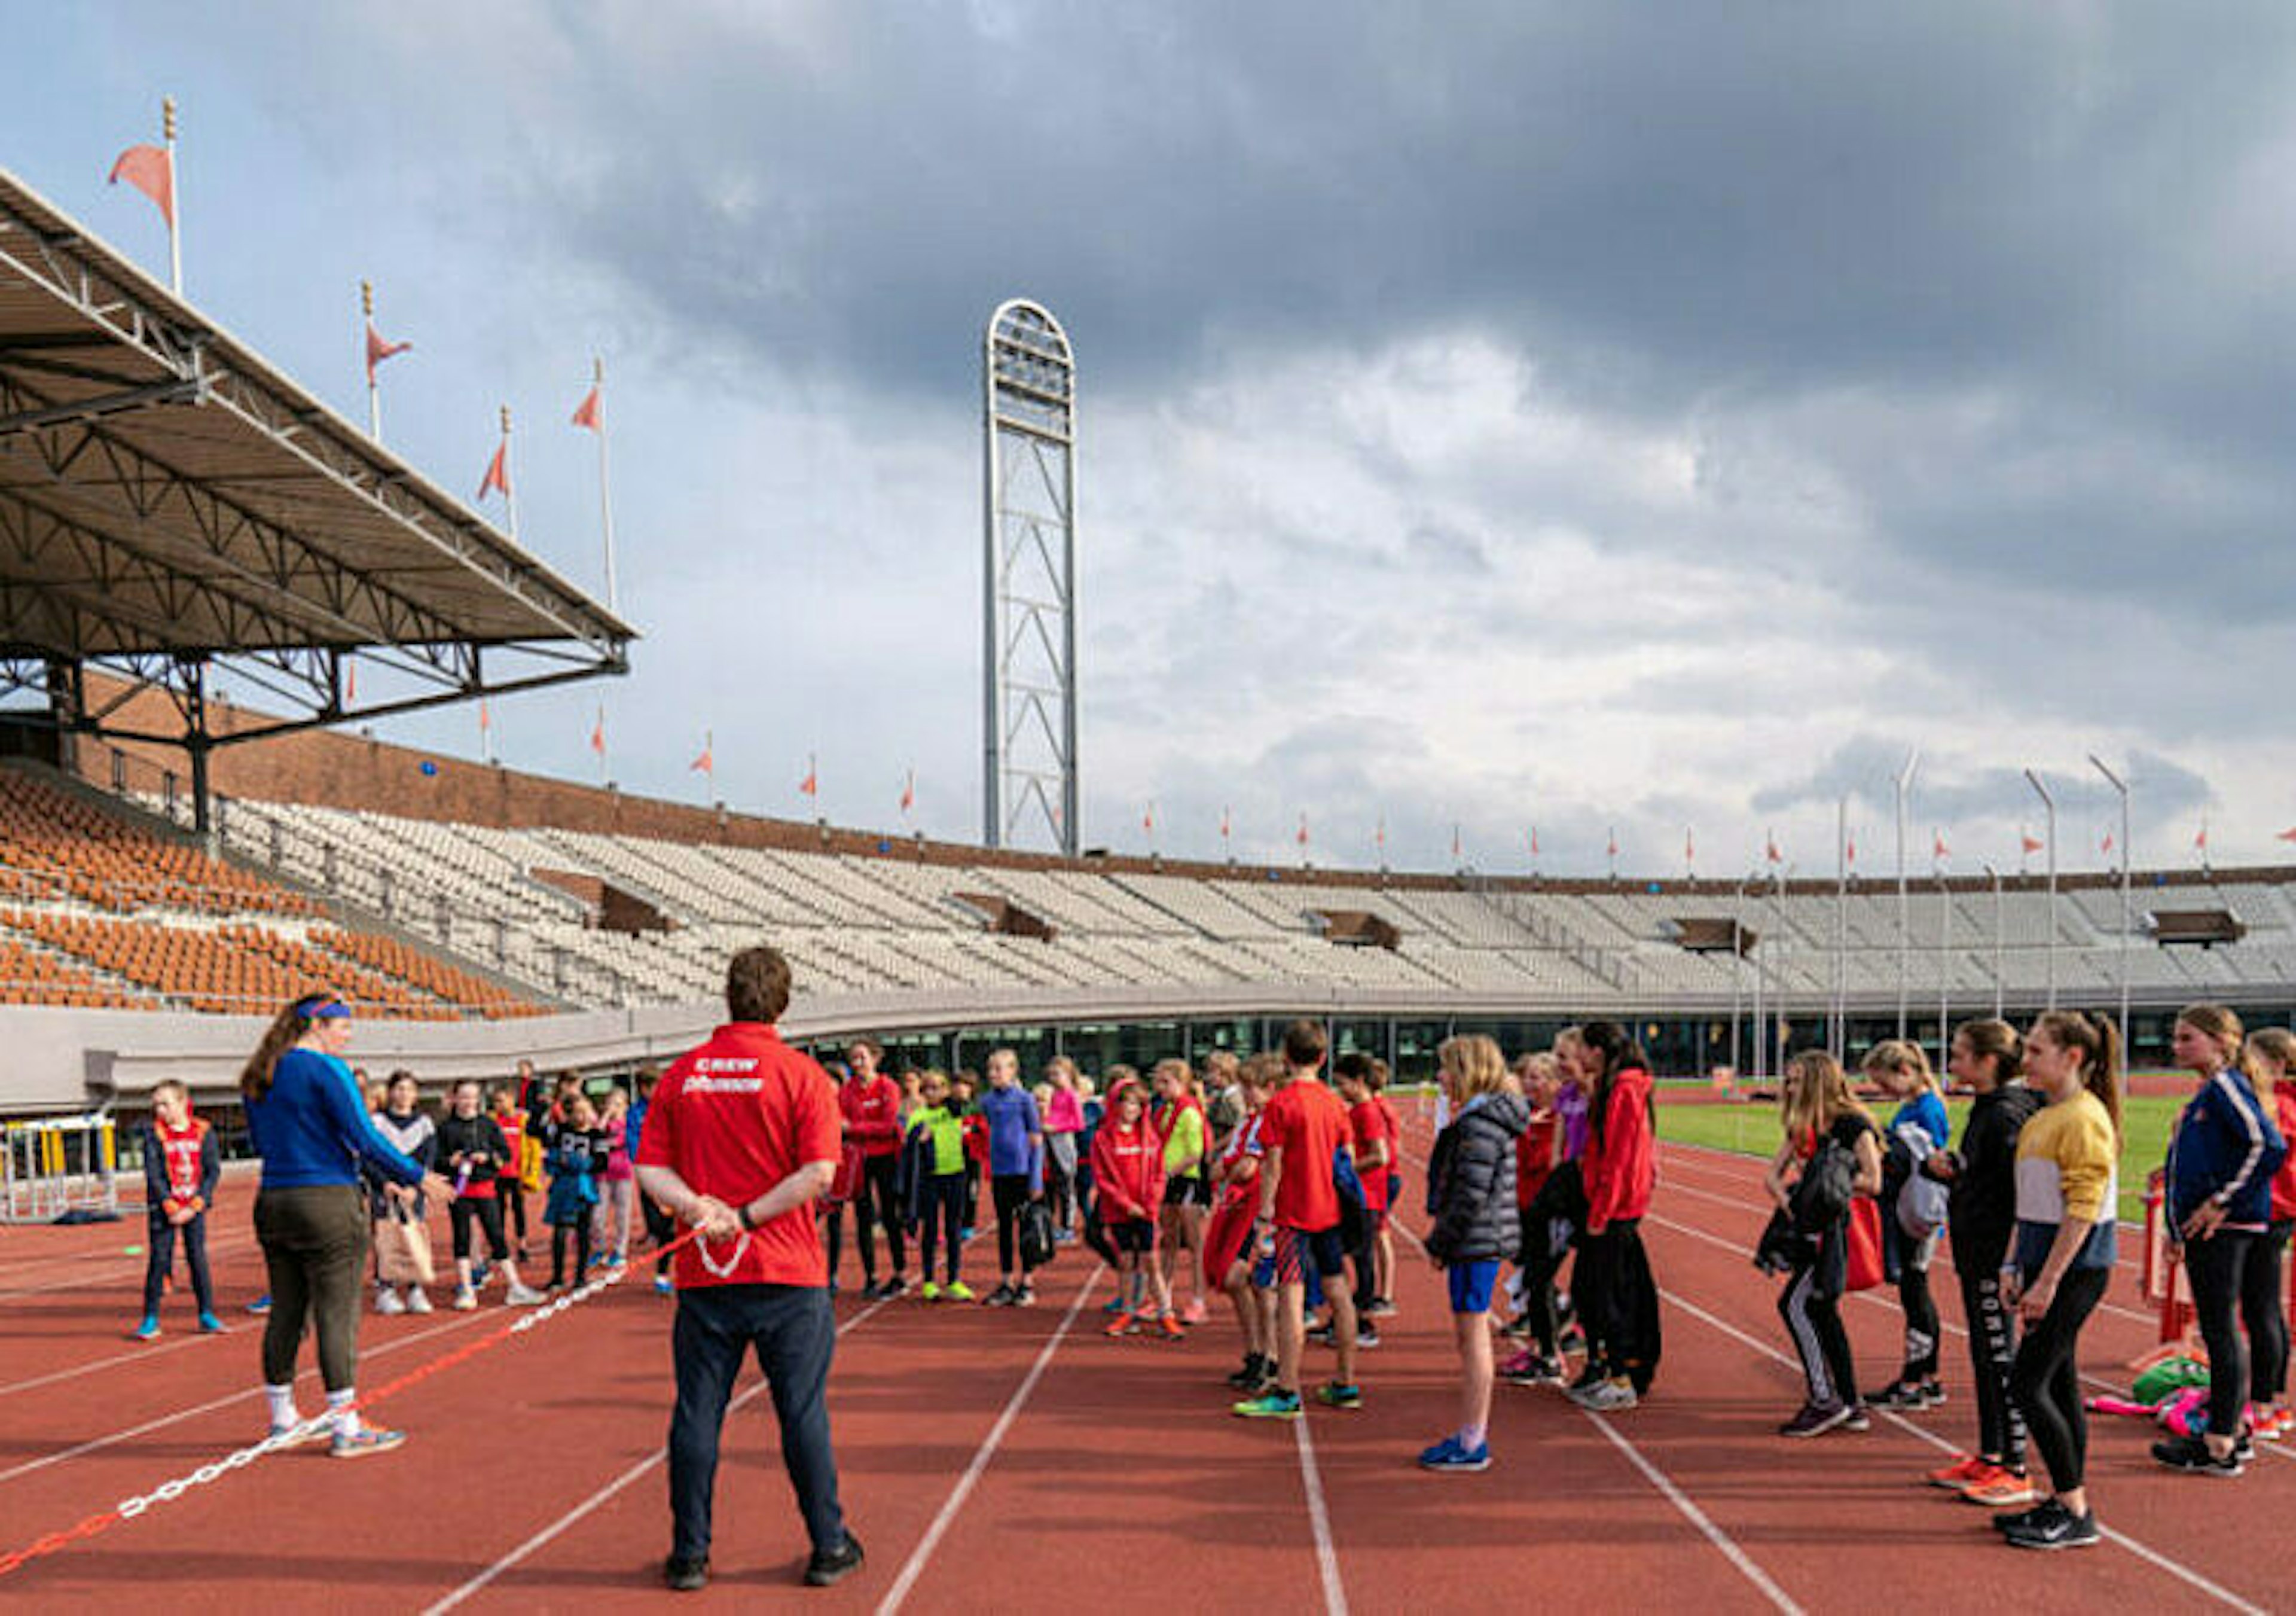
(1866, 1267)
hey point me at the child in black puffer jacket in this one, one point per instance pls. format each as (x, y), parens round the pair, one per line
(1476, 1229)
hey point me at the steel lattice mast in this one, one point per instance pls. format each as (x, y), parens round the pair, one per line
(1028, 628)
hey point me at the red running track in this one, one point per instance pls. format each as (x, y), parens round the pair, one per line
(1019, 1461)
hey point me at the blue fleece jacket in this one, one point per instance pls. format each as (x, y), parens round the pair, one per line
(1016, 1139)
(311, 1126)
(2226, 1149)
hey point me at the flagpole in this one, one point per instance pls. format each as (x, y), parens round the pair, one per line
(175, 196)
(509, 483)
(373, 395)
(1839, 1041)
(605, 493)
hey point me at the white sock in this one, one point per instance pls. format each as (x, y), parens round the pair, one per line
(282, 1407)
(346, 1417)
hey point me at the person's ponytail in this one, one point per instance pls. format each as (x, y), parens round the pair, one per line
(286, 1030)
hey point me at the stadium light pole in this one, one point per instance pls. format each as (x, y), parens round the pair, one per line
(1778, 1009)
(1945, 970)
(2049, 807)
(1905, 785)
(2127, 910)
(1999, 924)
(1738, 972)
(1837, 1037)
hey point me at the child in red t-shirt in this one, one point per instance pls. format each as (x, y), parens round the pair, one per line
(1536, 1149)
(182, 1166)
(1355, 1075)
(1127, 1172)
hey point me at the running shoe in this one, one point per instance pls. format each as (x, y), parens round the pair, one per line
(2023, 1519)
(956, 1289)
(1815, 1420)
(686, 1576)
(1898, 1394)
(148, 1331)
(1366, 1337)
(1380, 1308)
(2277, 1423)
(1114, 1304)
(2193, 1456)
(663, 1285)
(418, 1301)
(1248, 1377)
(1001, 1297)
(1861, 1418)
(260, 1305)
(1611, 1397)
(387, 1302)
(527, 1296)
(365, 1440)
(209, 1325)
(1961, 1474)
(1025, 1296)
(1331, 1394)
(828, 1566)
(2002, 1488)
(1271, 1405)
(466, 1300)
(1516, 1329)
(2056, 1527)
(929, 1292)
(1197, 1312)
(1449, 1454)
(1170, 1329)
(1530, 1369)
(1323, 1335)
(1123, 1323)
(298, 1435)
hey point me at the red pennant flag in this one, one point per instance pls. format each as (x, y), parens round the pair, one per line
(1380, 835)
(2106, 845)
(1770, 850)
(2201, 840)
(497, 474)
(1148, 820)
(1612, 846)
(598, 734)
(592, 413)
(1852, 855)
(2031, 844)
(1690, 847)
(1303, 830)
(708, 761)
(150, 170)
(350, 678)
(1224, 825)
(909, 792)
(1938, 849)
(1534, 841)
(378, 350)
(485, 723)
(810, 786)
(1455, 841)
(2287, 835)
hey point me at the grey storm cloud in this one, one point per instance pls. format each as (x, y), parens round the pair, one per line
(2161, 791)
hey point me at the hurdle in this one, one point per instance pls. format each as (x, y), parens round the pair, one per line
(53, 1167)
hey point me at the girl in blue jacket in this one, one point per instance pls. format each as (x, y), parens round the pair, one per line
(2221, 1160)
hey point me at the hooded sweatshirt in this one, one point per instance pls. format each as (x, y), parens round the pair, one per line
(1620, 1162)
(1475, 1219)
(1128, 1167)
(2225, 1150)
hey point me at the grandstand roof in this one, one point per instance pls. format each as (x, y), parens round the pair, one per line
(166, 494)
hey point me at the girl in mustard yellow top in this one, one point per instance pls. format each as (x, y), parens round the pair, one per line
(2068, 1187)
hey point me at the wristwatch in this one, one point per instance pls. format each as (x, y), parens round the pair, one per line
(742, 1212)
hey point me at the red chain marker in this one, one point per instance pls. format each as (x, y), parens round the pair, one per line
(168, 1492)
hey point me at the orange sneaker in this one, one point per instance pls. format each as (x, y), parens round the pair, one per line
(1960, 1473)
(1171, 1329)
(1123, 1323)
(2001, 1488)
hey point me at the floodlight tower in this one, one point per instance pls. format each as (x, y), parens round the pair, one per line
(1029, 623)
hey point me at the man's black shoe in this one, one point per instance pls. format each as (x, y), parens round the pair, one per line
(826, 1568)
(686, 1576)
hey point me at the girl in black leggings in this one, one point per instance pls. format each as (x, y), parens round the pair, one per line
(1817, 1106)
(2068, 1183)
(2273, 1050)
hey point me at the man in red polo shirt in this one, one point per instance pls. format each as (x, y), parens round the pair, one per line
(1302, 1128)
(741, 1139)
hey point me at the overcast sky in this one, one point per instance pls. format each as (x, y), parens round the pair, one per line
(1652, 416)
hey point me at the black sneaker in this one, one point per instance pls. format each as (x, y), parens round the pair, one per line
(2025, 1520)
(1589, 1377)
(1366, 1337)
(1861, 1418)
(1898, 1394)
(1247, 1377)
(1815, 1420)
(1535, 1372)
(686, 1576)
(833, 1565)
(2057, 1527)
(1001, 1297)
(2192, 1454)
(1025, 1297)
(1933, 1394)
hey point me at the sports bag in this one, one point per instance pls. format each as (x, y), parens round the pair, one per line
(1037, 1244)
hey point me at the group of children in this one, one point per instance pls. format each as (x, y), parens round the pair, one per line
(2028, 1205)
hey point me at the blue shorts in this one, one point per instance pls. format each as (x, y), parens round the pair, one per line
(1472, 1284)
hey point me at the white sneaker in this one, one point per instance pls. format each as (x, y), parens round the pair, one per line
(416, 1301)
(524, 1296)
(465, 1300)
(385, 1301)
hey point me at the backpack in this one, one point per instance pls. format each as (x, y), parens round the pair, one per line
(1355, 1220)
(1828, 1183)
(1037, 1235)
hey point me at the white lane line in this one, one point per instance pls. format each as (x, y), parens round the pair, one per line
(572, 1517)
(95, 1444)
(2151, 1557)
(1696, 1516)
(138, 1356)
(924, 1552)
(1319, 1518)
